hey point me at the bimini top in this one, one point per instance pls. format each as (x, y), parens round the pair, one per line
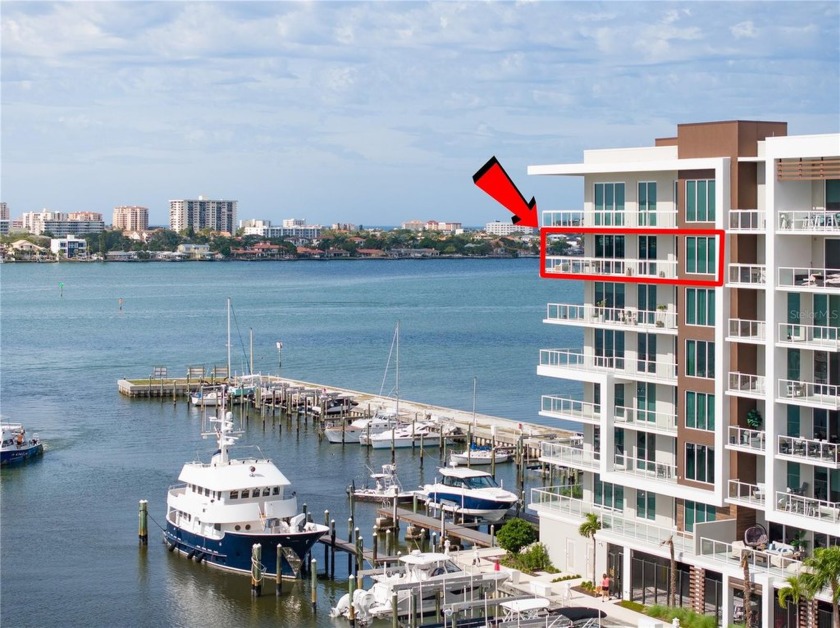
(462, 472)
(423, 558)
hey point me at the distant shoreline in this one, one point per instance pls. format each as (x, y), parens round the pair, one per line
(259, 261)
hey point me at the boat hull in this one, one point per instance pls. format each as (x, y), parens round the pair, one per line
(233, 551)
(472, 506)
(478, 459)
(15, 454)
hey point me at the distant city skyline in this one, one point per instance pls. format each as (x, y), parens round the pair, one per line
(379, 113)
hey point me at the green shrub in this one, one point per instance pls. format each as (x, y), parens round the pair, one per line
(535, 558)
(516, 534)
(688, 618)
(632, 606)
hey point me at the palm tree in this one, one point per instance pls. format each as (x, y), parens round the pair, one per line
(823, 571)
(589, 528)
(794, 591)
(748, 609)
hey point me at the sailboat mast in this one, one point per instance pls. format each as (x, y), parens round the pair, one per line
(228, 338)
(397, 332)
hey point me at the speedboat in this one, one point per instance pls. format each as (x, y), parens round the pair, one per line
(381, 421)
(221, 509)
(404, 436)
(334, 405)
(479, 456)
(469, 492)
(16, 447)
(386, 487)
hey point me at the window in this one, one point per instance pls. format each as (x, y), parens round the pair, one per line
(609, 204)
(646, 353)
(647, 203)
(645, 504)
(700, 463)
(609, 246)
(700, 255)
(234, 494)
(607, 494)
(700, 411)
(700, 359)
(245, 493)
(794, 473)
(697, 513)
(700, 307)
(700, 200)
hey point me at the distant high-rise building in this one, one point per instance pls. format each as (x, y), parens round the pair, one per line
(505, 228)
(202, 213)
(4, 219)
(131, 218)
(60, 224)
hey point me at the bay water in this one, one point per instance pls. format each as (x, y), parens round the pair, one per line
(68, 522)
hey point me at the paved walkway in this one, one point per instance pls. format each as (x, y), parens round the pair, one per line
(559, 593)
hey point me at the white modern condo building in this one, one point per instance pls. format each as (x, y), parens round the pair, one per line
(202, 213)
(709, 362)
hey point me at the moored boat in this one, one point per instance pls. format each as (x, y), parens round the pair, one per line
(383, 420)
(16, 446)
(469, 492)
(221, 509)
(479, 456)
(386, 487)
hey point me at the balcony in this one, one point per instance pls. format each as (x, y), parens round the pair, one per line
(627, 368)
(747, 494)
(570, 409)
(600, 267)
(817, 337)
(810, 279)
(808, 507)
(744, 330)
(760, 561)
(660, 219)
(625, 318)
(660, 471)
(645, 420)
(745, 439)
(746, 221)
(574, 456)
(815, 222)
(820, 453)
(746, 276)
(555, 499)
(746, 385)
(614, 524)
(809, 394)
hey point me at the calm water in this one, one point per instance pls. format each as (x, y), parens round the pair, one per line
(68, 522)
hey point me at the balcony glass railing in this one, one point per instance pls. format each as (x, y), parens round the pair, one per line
(646, 419)
(567, 408)
(810, 393)
(815, 221)
(662, 219)
(558, 498)
(616, 267)
(747, 329)
(615, 524)
(746, 220)
(746, 438)
(816, 336)
(808, 506)
(809, 450)
(570, 455)
(760, 561)
(621, 316)
(753, 494)
(621, 366)
(828, 278)
(750, 275)
(746, 383)
(646, 468)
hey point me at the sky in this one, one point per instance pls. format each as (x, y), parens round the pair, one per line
(375, 113)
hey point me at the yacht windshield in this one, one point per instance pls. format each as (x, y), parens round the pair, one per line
(483, 481)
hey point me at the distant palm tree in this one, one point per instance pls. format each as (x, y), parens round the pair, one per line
(823, 571)
(794, 590)
(589, 528)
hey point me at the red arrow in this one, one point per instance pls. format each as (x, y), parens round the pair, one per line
(493, 179)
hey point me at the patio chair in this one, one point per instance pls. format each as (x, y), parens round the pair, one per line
(755, 536)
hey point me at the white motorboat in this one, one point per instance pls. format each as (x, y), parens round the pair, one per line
(469, 492)
(386, 487)
(413, 435)
(334, 404)
(208, 396)
(16, 446)
(384, 419)
(221, 509)
(479, 456)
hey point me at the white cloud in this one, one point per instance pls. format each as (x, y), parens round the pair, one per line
(744, 29)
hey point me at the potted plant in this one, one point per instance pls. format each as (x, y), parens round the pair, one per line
(754, 419)
(599, 312)
(799, 544)
(660, 318)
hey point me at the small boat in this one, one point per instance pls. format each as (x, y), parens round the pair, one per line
(16, 447)
(469, 492)
(221, 509)
(386, 487)
(331, 405)
(413, 435)
(479, 456)
(381, 421)
(208, 397)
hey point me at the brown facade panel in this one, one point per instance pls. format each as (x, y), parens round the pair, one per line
(735, 138)
(808, 169)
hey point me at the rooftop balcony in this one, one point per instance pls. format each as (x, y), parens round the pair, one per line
(826, 280)
(661, 219)
(820, 453)
(574, 456)
(746, 275)
(746, 494)
(743, 330)
(819, 338)
(746, 385)
(662, 471)
(809, 394)
(814, 222)
(574, 360)
(601, 267)
(646, 420)
(745, 439)
(624, 318)
(746, 220)
(569, 409)
(808, 507)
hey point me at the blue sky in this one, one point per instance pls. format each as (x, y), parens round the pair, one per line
(379, 112)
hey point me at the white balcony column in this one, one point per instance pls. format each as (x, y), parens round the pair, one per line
(626, 580)
(727, 602)
(607, 422)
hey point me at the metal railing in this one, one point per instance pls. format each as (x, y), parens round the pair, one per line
(754, 494)
(808, 506)
(666, 219)
(622, 316)
(746, 383)
(646, 418)
(610, 266)
(744, 328)
(621, 366)
(791, 277)
(823, 395)
(819, 336)
(554, 498)
(747, 438)
(817, 220)
(746, 220)
(809, 449)
(567, 408)
(747, 274)
(646, 468)
(570, 455)
(615, 524)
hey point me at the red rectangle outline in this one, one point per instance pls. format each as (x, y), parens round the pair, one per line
(720, 233)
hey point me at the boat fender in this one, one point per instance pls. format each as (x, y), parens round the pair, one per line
(191, 554)
(172, 546)
(199, 557)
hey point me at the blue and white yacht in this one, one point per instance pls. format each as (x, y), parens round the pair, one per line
(469, 492)
(222, 508)
(17, 446)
